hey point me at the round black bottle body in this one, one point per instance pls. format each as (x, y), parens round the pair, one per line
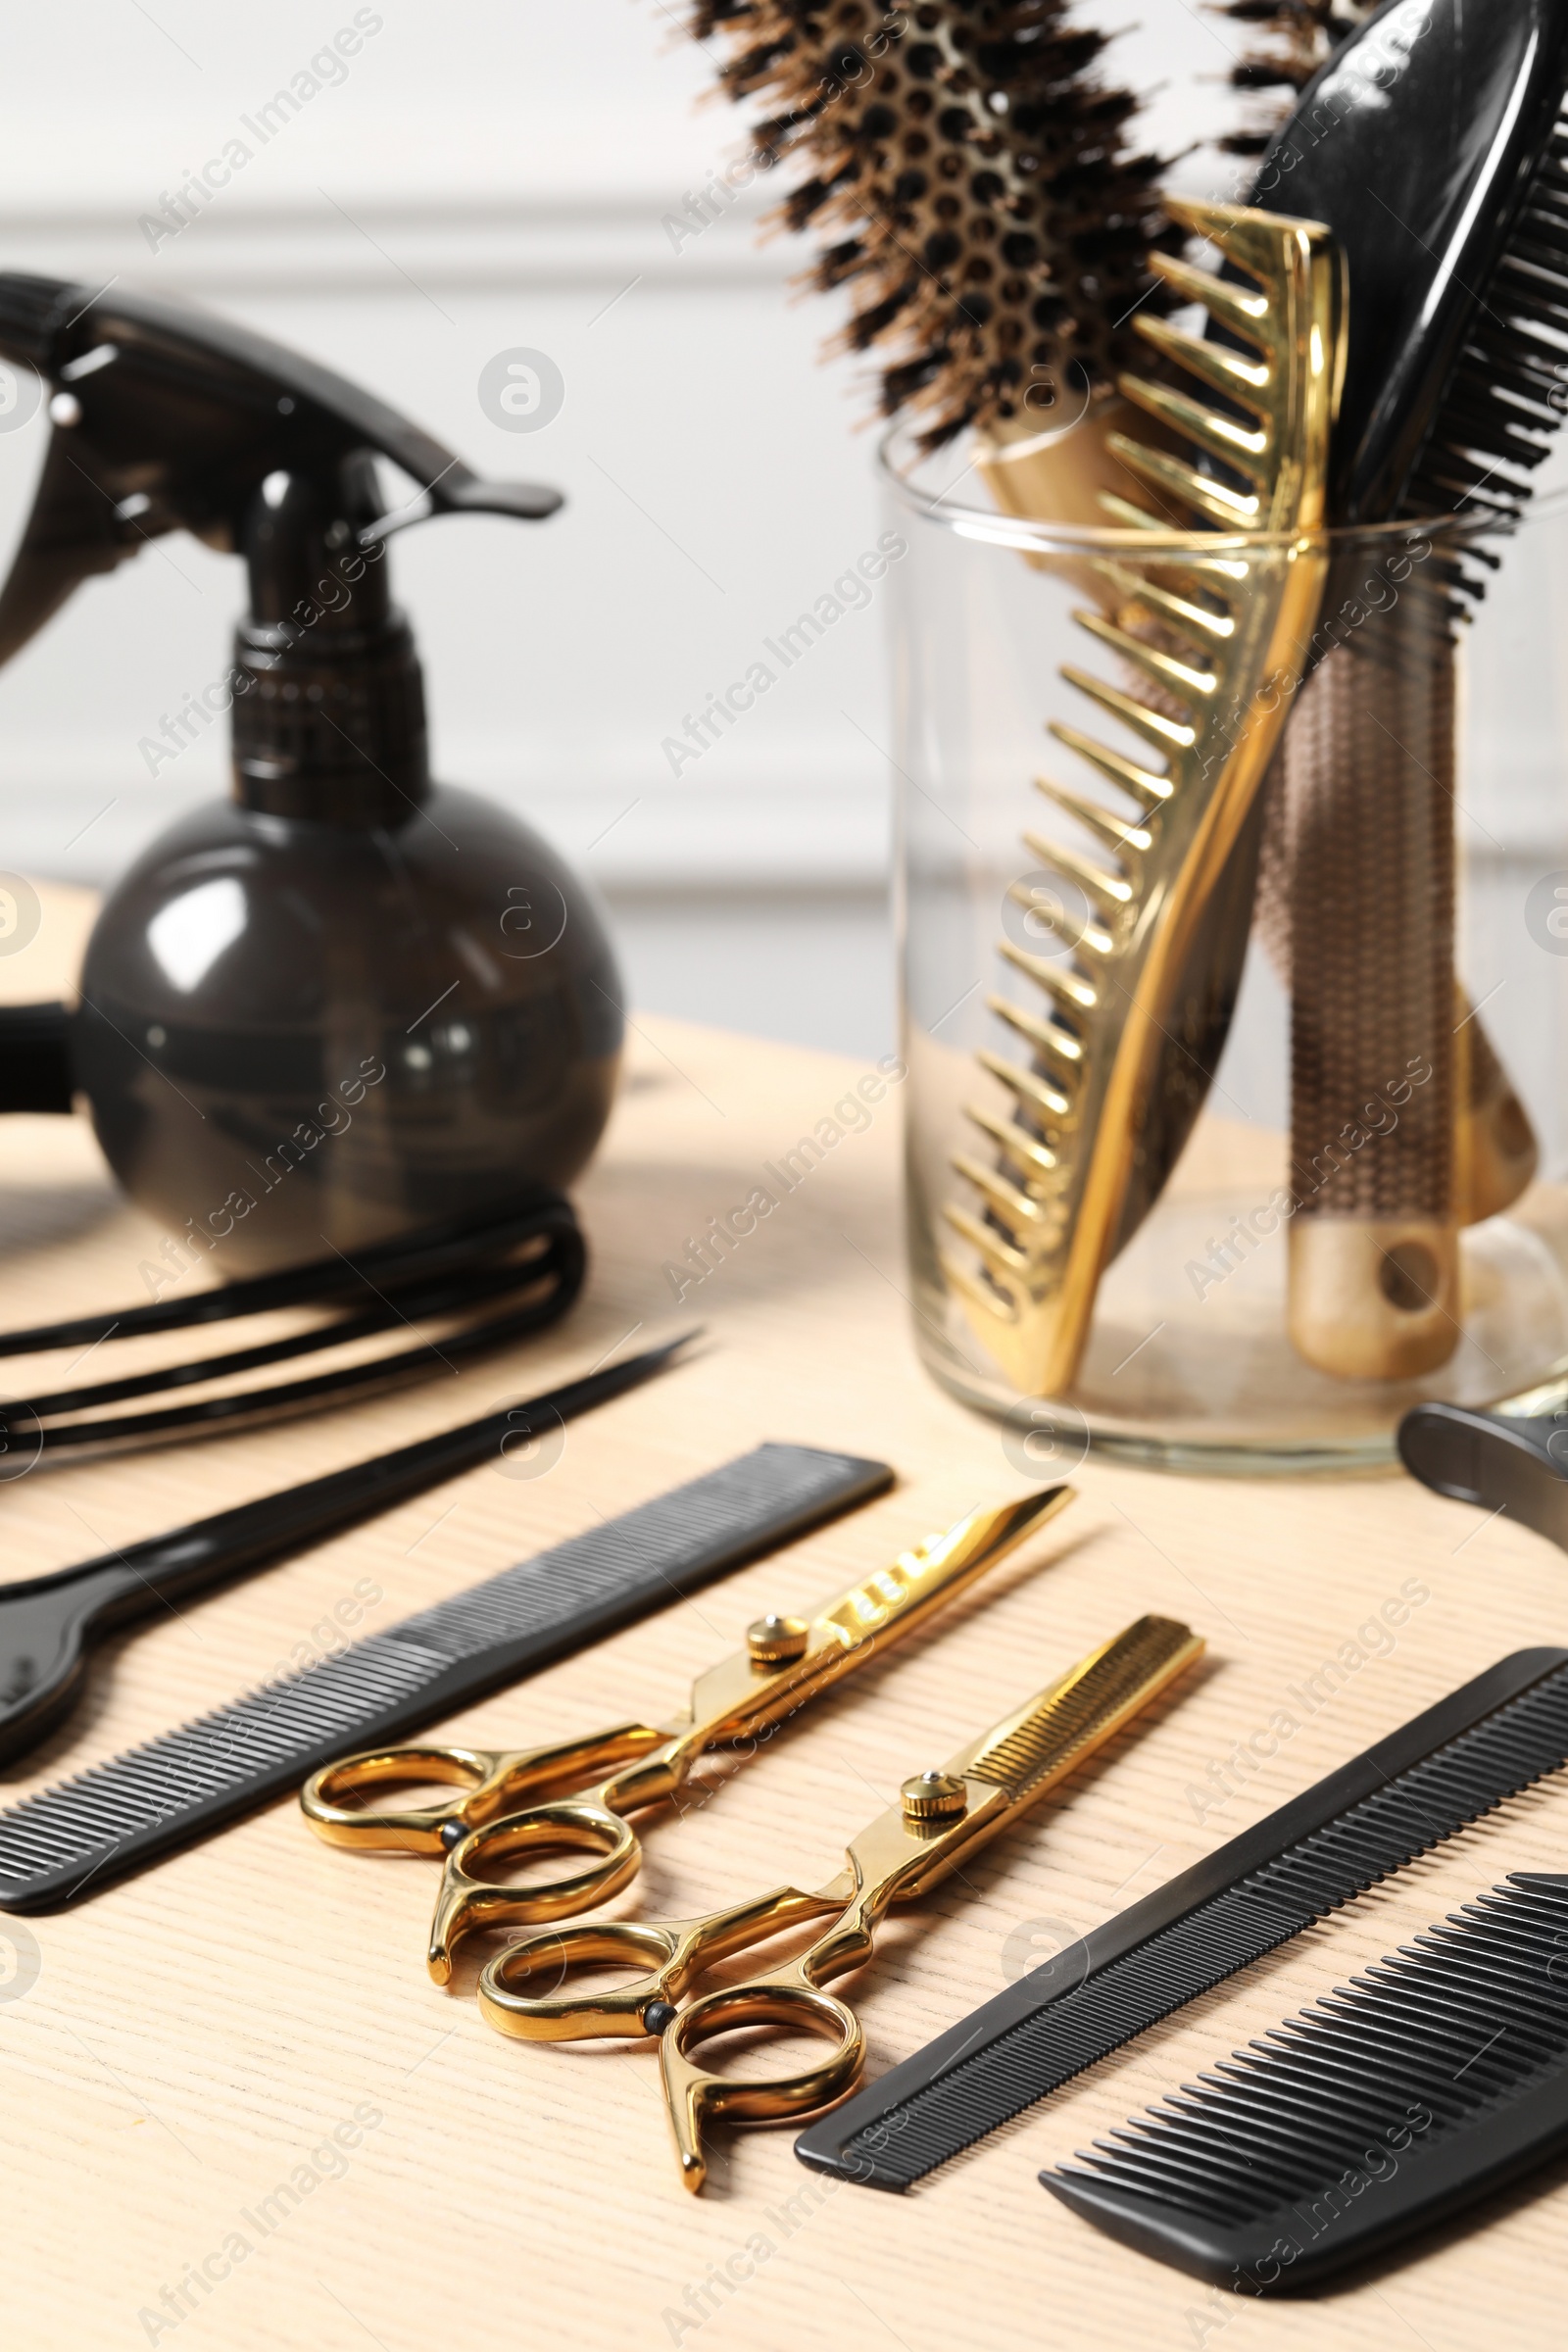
(297, 1035)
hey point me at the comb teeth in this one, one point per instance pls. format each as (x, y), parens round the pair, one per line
(1196, 639)
(1343, 2126)
(1086, 1708)
(77, 1835)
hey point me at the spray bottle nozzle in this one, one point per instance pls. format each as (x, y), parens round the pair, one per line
(165, 418)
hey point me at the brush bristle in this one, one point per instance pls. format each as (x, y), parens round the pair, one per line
(972, 181)
(1506, 398)
(1288, 41)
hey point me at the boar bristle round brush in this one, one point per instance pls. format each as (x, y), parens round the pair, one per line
(1009, 255)
(971, 178)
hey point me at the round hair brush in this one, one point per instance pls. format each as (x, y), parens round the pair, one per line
(1007, 253)
(970, 177)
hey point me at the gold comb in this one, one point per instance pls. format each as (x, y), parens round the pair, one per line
(1211, 648)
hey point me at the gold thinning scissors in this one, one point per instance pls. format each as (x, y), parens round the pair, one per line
(592, 1782)
(940, 1819)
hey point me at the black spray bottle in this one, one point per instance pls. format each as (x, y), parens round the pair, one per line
(348, 1000)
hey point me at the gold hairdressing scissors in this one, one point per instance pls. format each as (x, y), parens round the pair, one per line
(785, 1661)
(940, 1819)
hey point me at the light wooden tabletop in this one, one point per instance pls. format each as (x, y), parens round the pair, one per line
(181, 2046)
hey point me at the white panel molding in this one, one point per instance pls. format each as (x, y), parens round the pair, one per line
(376, 245)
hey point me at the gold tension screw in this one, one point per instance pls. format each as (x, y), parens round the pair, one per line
(777, 1640)
(934, 1796)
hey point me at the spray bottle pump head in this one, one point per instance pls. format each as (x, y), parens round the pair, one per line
(165, 418)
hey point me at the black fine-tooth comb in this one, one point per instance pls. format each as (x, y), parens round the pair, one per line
(1415, 2089)
(78, 1835)
(1438, 1773)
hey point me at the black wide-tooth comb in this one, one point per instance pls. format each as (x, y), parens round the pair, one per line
(1404, 2095)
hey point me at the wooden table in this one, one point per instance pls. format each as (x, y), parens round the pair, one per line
(192, 2038)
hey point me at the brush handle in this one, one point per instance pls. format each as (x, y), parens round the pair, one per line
(166, 1568)
(1496, 1150)
(1369, 766)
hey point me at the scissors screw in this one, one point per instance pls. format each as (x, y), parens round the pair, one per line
(777, 1640)
(452, 1833)
(658, 2015)
(934, 1796)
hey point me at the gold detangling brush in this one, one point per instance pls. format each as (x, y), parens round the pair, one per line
(939, 1820)
(1211, 648)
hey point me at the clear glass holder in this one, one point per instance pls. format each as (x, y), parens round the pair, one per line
(1282, 1290)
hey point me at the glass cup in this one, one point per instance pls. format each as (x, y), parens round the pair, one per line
(1342, 1189)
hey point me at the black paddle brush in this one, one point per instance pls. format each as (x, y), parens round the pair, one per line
(1421, 2086)
(1432, 145)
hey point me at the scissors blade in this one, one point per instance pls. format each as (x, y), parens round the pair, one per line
(745, 1692)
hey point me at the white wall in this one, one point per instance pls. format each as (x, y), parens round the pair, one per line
(491, 176)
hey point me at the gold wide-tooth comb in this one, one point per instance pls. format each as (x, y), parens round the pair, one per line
(1211, 651)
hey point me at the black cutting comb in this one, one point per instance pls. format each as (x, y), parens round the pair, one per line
(1438, 1773)
(1411, 2091)
(80, 1835)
